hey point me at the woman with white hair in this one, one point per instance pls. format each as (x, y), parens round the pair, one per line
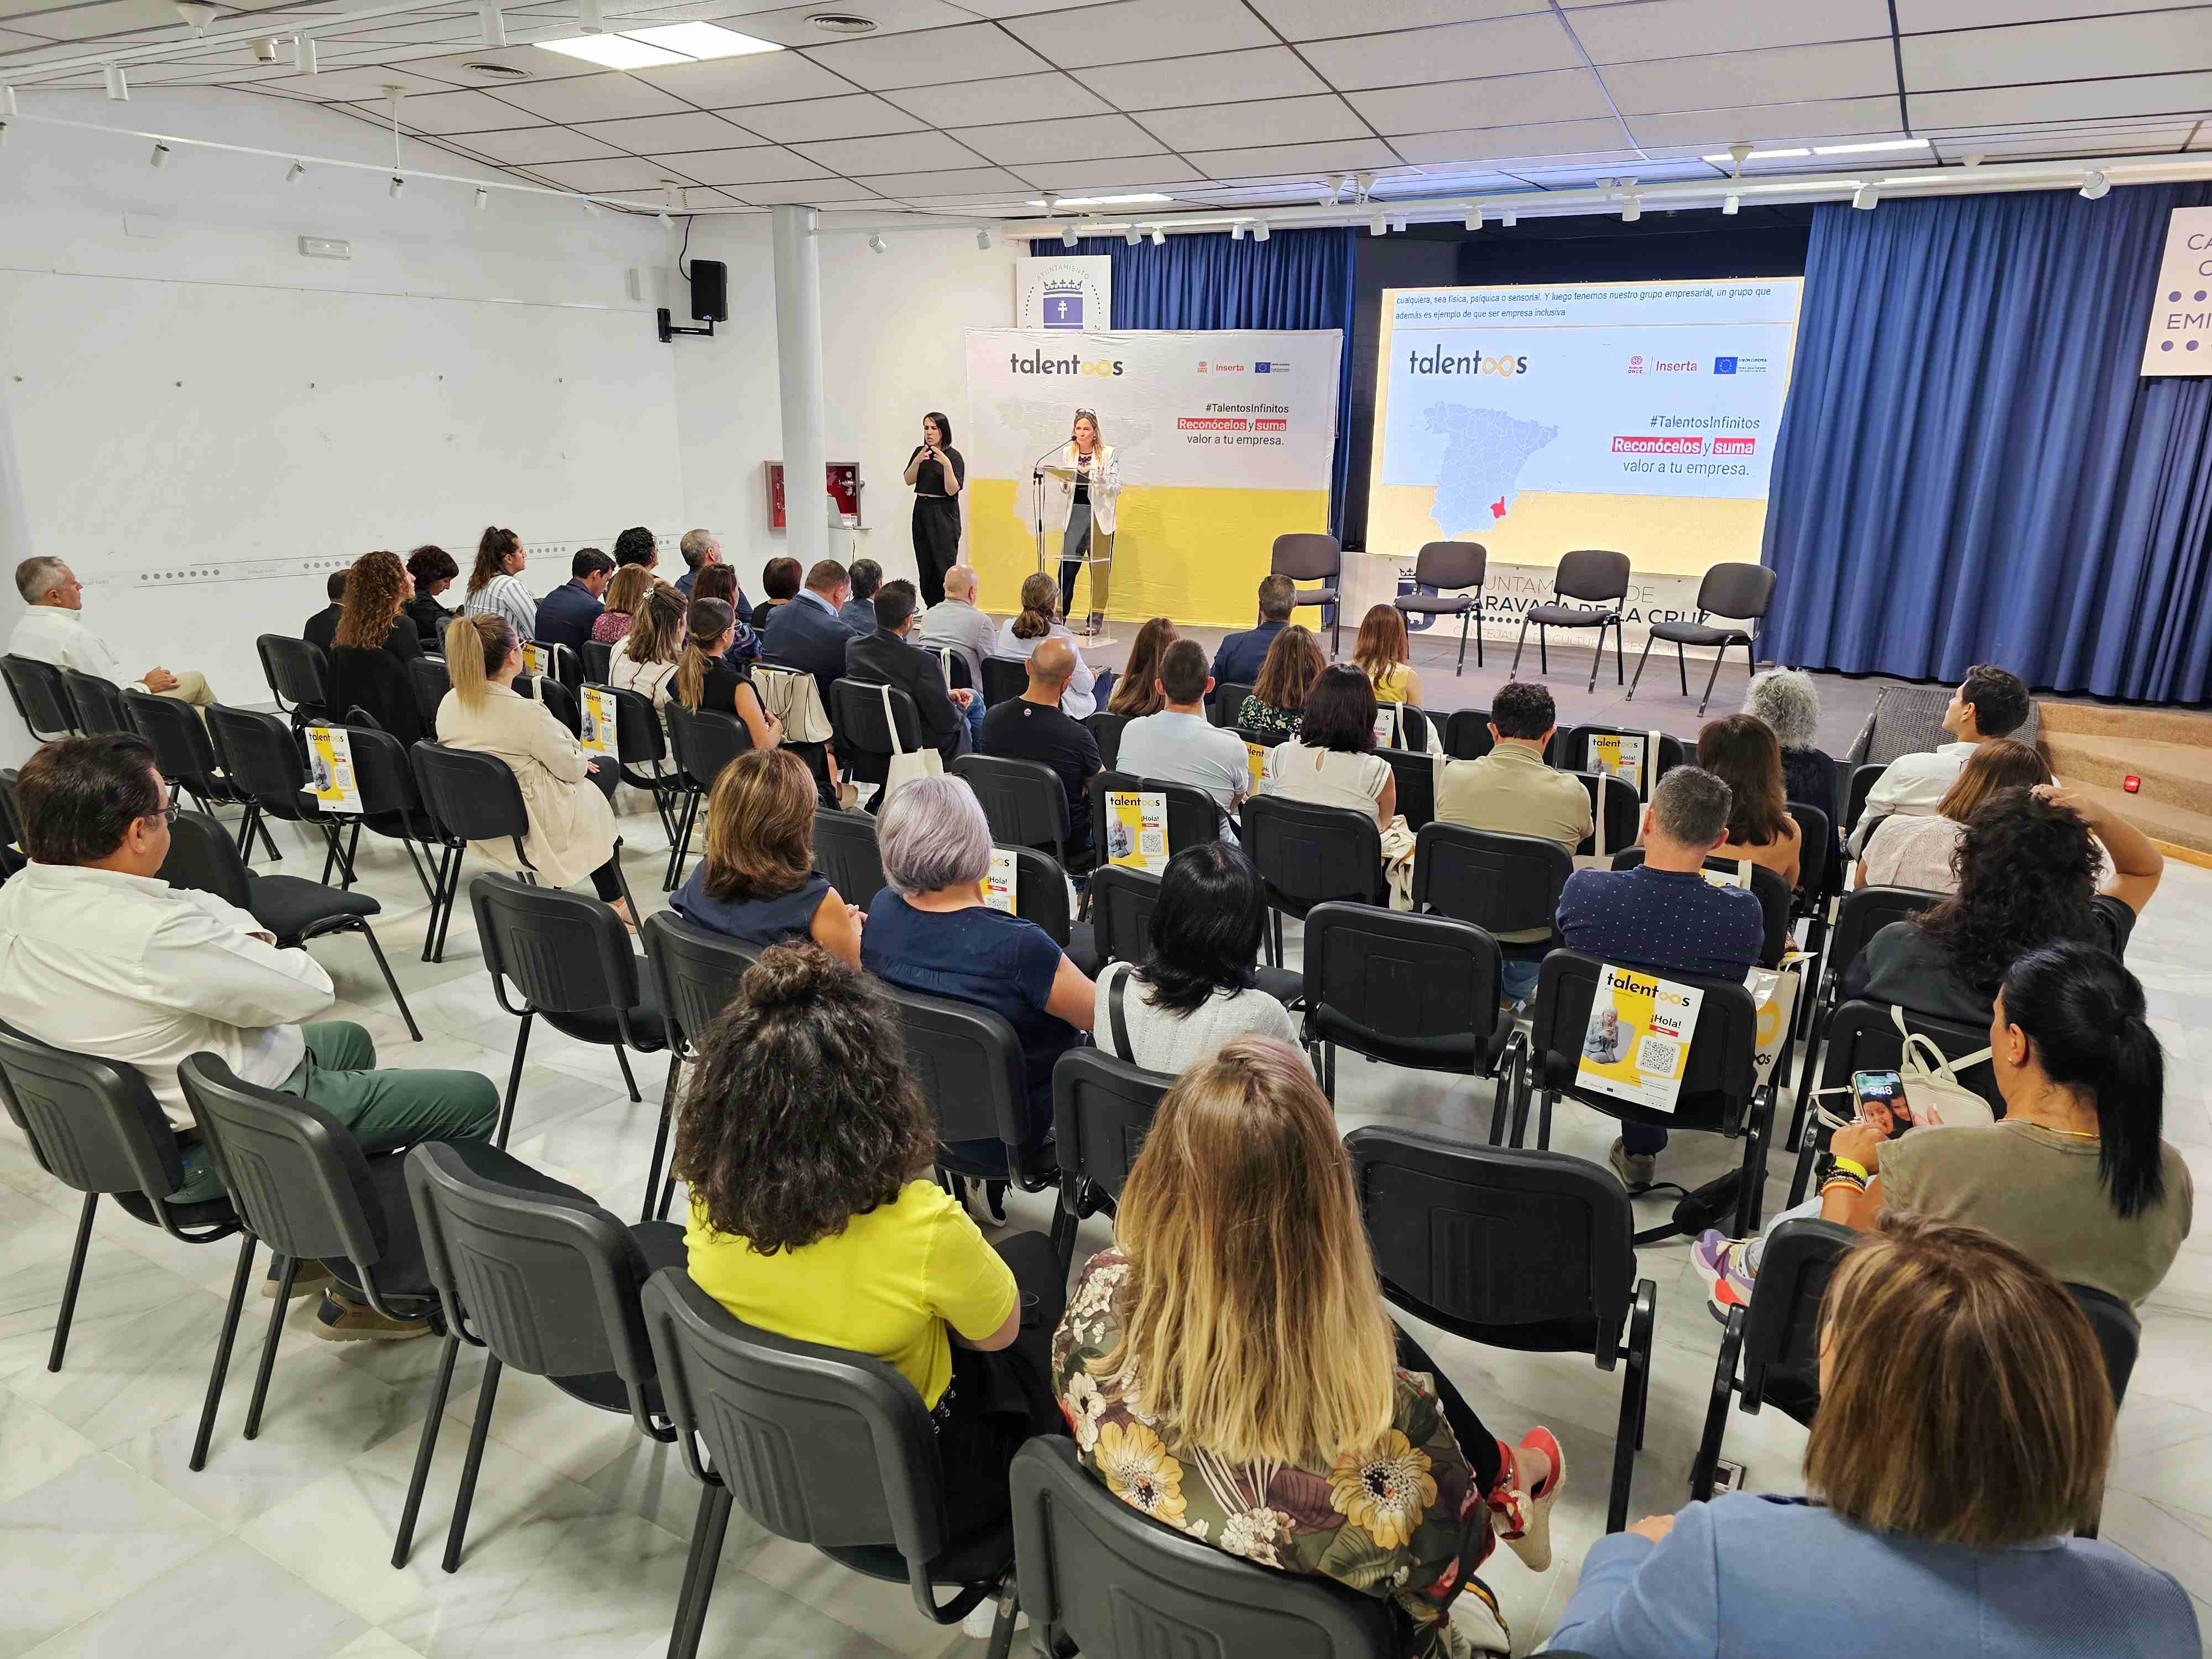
(930, 930)
(1786, 700)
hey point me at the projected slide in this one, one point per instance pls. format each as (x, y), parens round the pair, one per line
(1639, 417)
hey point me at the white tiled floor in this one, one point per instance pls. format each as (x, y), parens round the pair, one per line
(108, 1545)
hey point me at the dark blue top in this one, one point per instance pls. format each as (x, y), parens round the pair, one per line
(1238, 661)
(1662, 919)
(806, 633)
(566, 614)
(984, 956)
(757, 922)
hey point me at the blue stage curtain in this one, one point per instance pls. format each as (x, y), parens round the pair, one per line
(1970, 469)
(1295, 279)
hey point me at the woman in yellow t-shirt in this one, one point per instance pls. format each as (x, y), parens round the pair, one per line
(1382, 651)
(807, 1150)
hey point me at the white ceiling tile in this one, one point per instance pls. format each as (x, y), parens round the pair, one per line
(1780, 74)
(454, 111)
(1060, 140)
(1578, 171)
(646, 134)
(911, 151)
(788, 25)
(926, 59)
(2126, 140)
(1501, 101)
(1453, 51)
(1022, 8)
(2144, 43)
(1315, 20)
(767, 78)
(539, 63)
(1280, 159)
(1717, 129)
(1121, 177)
(608, 97)
(1010, 98)
(348, 86)
(534, 144)
(619, 172)
(1512, 143)
(740, 167)
(1275, 121)
(1137, 29)
(817, 192)
(971, 179)
(1271, 72)
(98, 22)
(1681, 29)
(862, 115)
(2136, 95)
(1918, 16)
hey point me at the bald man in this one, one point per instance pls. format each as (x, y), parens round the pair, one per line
(1032, 727)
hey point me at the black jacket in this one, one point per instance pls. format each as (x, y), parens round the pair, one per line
(566, 614)
(322, 627)
(802, 633)
(885, 659)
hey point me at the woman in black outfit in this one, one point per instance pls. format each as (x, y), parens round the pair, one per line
(432, 571)
(705, 677)
(937, 472)
(375, 642)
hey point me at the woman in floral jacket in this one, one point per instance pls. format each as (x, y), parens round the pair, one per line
(1240, 1242)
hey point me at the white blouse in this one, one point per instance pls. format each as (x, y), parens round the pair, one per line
(1908, 851)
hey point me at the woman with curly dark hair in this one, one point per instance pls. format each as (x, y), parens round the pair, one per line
(376, 640)
(432, 571)
(807, 1148)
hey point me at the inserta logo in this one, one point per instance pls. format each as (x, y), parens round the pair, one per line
(1439, 362)
(1037, 363)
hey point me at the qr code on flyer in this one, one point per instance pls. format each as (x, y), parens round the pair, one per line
(1658, 1054)
(1153, 843)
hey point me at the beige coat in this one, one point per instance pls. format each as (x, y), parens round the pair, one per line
(572, 827)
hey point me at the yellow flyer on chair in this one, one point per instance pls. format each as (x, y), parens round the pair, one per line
(998, 884)
(1637, 1045)
(599, 732)
(1137, 829)
(329, 769)
(1617, 756)
(1255, 761)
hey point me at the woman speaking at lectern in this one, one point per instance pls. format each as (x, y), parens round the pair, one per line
(1089, 476)
(937, 471)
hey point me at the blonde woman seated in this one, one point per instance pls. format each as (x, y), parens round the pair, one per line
(1229, 1370)
(625, 594)
(1137, 692)
(1743, 752)
(572, 827)
(1277, 707)
(1909, 850)
(707, 678)
(1039, 621)
(644, 659)
(758, 884)
(1383, 652)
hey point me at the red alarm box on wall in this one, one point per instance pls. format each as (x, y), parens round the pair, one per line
(843, 488)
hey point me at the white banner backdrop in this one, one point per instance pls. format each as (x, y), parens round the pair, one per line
(2179, 341)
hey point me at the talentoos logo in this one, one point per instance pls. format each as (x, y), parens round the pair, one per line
(1438, 361)
(1037, 363)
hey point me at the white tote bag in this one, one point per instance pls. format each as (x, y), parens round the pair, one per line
(907, 764)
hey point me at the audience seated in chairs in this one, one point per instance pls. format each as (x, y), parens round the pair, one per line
(1035, 726)
(706, 678)
(1230, 1369)
(320, 630)
(375, 642)
(52, 630)
(702, 552)
(1382, 650)
(1332, 762)
(495, 585)
(780, 580)
(644, 658)
(808, 632)
(1197, 989)
(1740, 750)
(98, 956)
(572, 827)
(2027, 864)
(1238, 661)
(1513, 791)
(2074, 1176)
(1964, 1431)
(1178, 744)
(626, 591)
(568, 614)
(1907, 849)
(956, 622)
(1039, 621)
(432, 569)
(885, 656)
(1786, 700)
(758, 882)
(859, 612)
(719, 581)
(1662, 914)
(1276, 710)
(806, 1148)
(1990, 704)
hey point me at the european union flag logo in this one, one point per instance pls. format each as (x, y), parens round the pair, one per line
(1263, 369)
(1063, 305)
(1724, 365)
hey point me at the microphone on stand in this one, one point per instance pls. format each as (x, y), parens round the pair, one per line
(1036, 467)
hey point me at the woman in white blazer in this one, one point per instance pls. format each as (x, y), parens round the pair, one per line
(1083, 511)
(564, 790)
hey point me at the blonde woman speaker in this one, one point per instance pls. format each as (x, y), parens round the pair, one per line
(1088, 475)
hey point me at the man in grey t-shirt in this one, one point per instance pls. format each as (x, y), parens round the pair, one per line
(1179, 744)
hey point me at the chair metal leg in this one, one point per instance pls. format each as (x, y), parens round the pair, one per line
(1461, 668)
(1619, 650)
(261, 824)
(353, 847)
(389, 983)
(1544, 1122)
(1634, 1384)
(232, 1309)
(660, 1138)
(515, 1082)
(422, 879)
(1520, 641)
(424, 1450)
(1640, 661)
(457, 1530)
(622, 1058)
(269, 1350)
(1544, 649)
(69, 1285)
(1710, 678)
(1682, 667)
(707, 1530)
(1002, 1625)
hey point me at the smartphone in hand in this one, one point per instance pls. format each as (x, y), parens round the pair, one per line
(1881, 1103)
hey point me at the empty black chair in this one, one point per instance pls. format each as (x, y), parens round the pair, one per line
(431, 682)
(470, 797)
(599, 661)
(1041, 893)
(1307, 854)
(261, 755)
(546, 1282)
(702, 743)
(1616, 816)
(1467, 734)
(290, 907)
(856, 711)
(640, 750)
(1123, 900)
(821, 1446)
(1105, 730)
(1863, 778)
(1023, 800)
(1005, 679)
(1600, 580)
(1440, 569)
(391, 801)
(695, 974)
(299, 675)
(1863, 1035)
(96, 701)
(1531, 1251)
(1309, 556)
(845, 850)
(1502, 884)
(569, 958)
(1408, 990)
(1192, 816)
(1773, 897)
(186, 754)
(1402, 725)
(558, 661)
(1228, 703)
(1416, 775)
(1102, 1108)
(1574, 753)
(39, 696)
(1740, 592)
(1100, 1578)
(960, 667)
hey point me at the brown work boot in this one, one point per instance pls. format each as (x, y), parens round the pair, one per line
(341, 1319)
(313, 1276)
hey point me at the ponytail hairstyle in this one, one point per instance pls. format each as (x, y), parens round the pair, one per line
(656, 627)
(709, 619)
(493, 551)
(1040, 607)
(476, 648)
(2082, 1013)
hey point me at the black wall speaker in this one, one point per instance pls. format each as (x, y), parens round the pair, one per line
(710, 291)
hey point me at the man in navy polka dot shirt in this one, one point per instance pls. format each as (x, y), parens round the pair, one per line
(1663, 914)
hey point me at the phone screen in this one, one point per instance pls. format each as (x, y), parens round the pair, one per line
(1880, 1096)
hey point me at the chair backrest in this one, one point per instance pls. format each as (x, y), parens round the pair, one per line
(1719, 1073)
(549, 1284)
(382, 775)
(1041, 891)
(1811, 848)
(1409, 989)
(11, 857)
(475, 797)
(1865, 912)
(2118, 1333)
(815, 1444)
(1740, 591)
(856, 710)
(93, 1125)
(1574, 749)
(560, 702)
(1863, 778)
(968, 1063)
(1773, 897)
(384, 686)
(1192, 818)
(1593, 576)
(182, 748)
(1308, 853)
(1781, 1354)
(695, 972)
(1005, 679)
(432, 680)
(1502, 884)
(1122, 905)
(97, 703)
(1467, 734)
(1416, 777)
(1446, 565)
(1105, 731)
(1103, 1107)
(639, 737)
(1118, 1585)
(203, 858)
(1613, 808)
(297, 671)
(1306, 556)
(566, 953)
(1023, 800)
(845, 850)
(1412, 724)
(1228, 703)
(702, 742)
(1536, 1248)
(599, 661)
(1862, 1036)
(261, 756)
(952, 662)
(40, 697)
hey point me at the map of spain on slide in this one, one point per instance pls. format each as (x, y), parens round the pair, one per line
(1484, 450)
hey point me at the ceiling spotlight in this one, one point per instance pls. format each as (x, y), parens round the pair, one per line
(877, 244)
(398, 183)
(304, 57)
(1631, 209)
(1731, 202)
(984, 241)
(292, 173)
(1739, 152)
(589, 17)
(159, 157)
(1328, 199)
(1133, 236)
(1865, 197)
(1973, 160)
(1508, 220)
(1236, 231)
(119, 89)
(666, 223)
(1475, 218)
(1259, 231)
(2094, 185)
(1067, 235)
(265, 50)
(1159, 237)
(495, 25)
(196, 14)
(483, 198)
(1378, 226)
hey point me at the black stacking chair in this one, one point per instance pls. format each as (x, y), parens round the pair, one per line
(702, 743)
(95, 1127)
(845, 850)
(822, 1447)
(1416, 776)
(856, 712)
(97, 704)
(1192, 818)
(547, 1283)
(1467, 734)
(1863, 778)
(381, 687)
(1313, 557)
(186, 754)
(11, 855)
(1531, 1251)
(1740, 592)
(1023, 800)
(1408, 990)
(1574, 756)
(952, 662)
(470, 797)
(561, 704)
(1501, 883)
(291, 907)
(1720, 1094)
(1307, 854)
(1616, 816)
(1041, 893)
(641, 751)
(561, 662)
(1809, 899)
(694, 977)
(1099, 1577)
(1121, 904)
(391, 801)
(599, 661)
(1600, 580)
(1005, 679)
(1409, 728)
(1105, 730)
(1774, 899)
(261, 755)
(431, 682)
(39, 696)
(1228, 703)
(1770, 1352)
(569, 958)
(1102, 1108)
(299, 676)
(1450, 565)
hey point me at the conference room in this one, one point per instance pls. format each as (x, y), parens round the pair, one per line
(1078, 1042)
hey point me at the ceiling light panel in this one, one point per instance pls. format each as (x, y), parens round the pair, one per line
(702, 41)
(615, 51)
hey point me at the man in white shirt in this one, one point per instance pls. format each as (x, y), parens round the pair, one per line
(957, 620)
(52, 630)
(1179, 744)
(1990, 704)
(100, 955)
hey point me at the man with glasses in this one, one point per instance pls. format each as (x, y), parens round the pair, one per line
(52, 630)
(100, 955)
